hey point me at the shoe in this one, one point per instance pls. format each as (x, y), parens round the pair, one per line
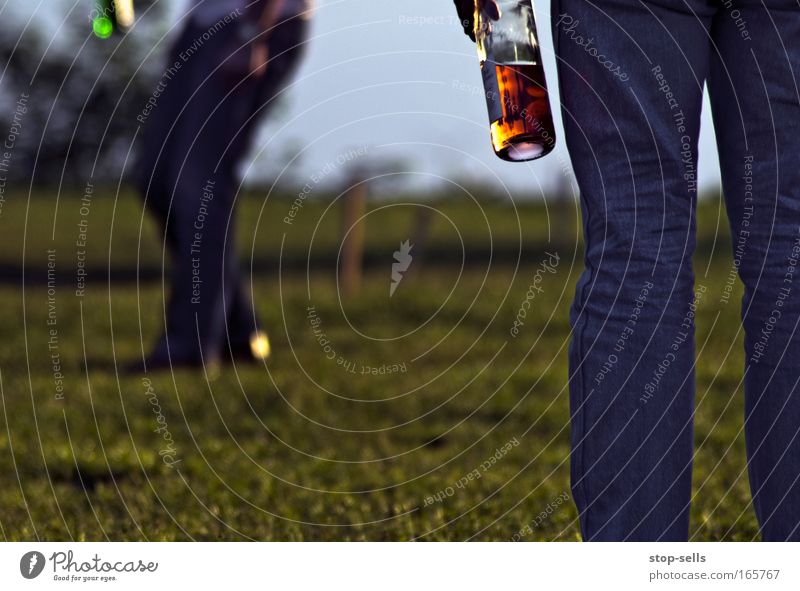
(257, 349)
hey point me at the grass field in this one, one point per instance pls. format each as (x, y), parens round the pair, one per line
(308, 448)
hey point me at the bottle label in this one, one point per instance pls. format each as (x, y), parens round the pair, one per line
(492, 91)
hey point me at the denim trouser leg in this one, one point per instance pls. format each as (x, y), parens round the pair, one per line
(753, 85)
(200, 183)
(631, 76)
(197, 137)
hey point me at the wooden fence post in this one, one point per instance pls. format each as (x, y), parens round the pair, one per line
(352, 262)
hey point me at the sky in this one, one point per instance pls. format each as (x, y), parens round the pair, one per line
(400, 78)
(398, 83)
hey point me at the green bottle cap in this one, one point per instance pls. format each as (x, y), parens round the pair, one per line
(103, 27)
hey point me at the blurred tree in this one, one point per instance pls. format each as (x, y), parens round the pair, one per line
(84, 93)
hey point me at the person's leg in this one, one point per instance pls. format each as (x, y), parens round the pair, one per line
(240, 321)
(160, 155)
(214, 134)
(754, 93)
(158, 150)
(158, 126)
(200, 183)
(631, 78)
(286, 48)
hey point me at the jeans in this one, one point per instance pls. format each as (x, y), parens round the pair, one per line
(194, 140)
(631, 75)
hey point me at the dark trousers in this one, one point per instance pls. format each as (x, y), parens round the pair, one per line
(631, 104)
(194, 139)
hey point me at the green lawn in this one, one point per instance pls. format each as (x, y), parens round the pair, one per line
(308, 448)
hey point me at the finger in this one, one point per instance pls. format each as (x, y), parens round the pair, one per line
(466, 13)
(492, 9)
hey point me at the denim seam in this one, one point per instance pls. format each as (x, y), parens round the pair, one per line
(581, 398)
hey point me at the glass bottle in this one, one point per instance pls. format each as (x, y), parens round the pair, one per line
(521, 123)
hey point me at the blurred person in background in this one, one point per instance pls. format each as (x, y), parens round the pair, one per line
(234, 58)
(631, 75)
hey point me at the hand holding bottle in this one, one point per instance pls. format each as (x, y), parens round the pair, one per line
(521, 124)
(466, 12)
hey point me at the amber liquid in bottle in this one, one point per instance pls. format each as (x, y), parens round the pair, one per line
(525, 130)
